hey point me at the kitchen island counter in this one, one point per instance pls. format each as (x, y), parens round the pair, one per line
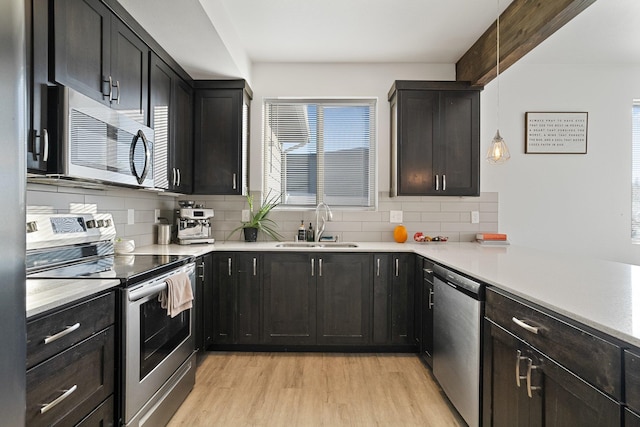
(603, 295)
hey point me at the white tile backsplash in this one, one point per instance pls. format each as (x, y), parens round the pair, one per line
(447, 216)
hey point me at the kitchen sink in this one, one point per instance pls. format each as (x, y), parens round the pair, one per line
(316, 245)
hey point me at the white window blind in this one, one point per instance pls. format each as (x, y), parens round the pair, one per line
(320, 151)
(635, 185)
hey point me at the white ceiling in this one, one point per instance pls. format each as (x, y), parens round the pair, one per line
(222, 38)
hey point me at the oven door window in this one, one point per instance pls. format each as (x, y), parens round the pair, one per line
(160, 334)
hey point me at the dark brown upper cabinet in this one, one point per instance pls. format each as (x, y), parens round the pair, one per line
(221, 145)
(98, 55)
(435, 139)
(171, 116)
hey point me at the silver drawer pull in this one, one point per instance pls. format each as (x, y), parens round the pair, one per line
(427, 270)
(523, 325)
(63, 396)
(51, 338)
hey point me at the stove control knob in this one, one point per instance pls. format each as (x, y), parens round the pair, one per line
(107, 223)
(32, 227)
(100, 223)
(91, 223)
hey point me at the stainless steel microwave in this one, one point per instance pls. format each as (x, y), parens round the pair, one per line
(92, 142)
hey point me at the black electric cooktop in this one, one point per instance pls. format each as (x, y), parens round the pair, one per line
(129, 269)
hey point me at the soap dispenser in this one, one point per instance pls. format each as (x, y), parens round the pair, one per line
(310, 234)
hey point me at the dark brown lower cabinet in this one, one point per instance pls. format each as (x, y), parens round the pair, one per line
(343, 298)
(393, 298)
(65, 388)
(234, 310)
(289, 299)
(523, 387)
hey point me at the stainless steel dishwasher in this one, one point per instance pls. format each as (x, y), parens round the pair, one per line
(457, 313)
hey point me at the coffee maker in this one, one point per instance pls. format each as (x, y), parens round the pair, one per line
(194, 225)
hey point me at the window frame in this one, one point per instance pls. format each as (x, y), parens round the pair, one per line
(322, 102)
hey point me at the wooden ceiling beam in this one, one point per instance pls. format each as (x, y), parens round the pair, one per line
(523, 25)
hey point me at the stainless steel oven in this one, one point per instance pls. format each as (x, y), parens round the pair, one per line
(156, 346)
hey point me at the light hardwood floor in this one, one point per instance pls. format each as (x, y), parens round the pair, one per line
(314, 389)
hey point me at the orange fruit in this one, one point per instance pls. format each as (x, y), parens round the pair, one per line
(400, 234)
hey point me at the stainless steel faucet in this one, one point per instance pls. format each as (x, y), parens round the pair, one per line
(328, 216)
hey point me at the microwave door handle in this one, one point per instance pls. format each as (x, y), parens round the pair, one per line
(147, 156)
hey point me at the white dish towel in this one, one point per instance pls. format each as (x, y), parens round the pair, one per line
(178, 296)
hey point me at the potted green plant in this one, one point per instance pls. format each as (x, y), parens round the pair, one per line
(259, 221)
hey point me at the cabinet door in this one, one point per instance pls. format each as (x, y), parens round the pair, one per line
(458, 150)
(381, 326)
(129, 71)
(247, 298)
(402, 274)
(218, 142)
(37, 68)
(161, 79)
(418, 130)
(289, 299)
(222, 304)
(82, 46)
(344, 287)
(182, 147)
(505, 403)
(426, 307)
(204, 294)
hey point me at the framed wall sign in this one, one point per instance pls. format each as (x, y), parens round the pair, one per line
(551, 132)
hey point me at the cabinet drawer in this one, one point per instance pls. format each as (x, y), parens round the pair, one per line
(427, 270)
(53, 333)
(102, 416)
(84, 374)
(632, 380)
(590, 357)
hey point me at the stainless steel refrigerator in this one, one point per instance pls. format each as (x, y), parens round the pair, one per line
(13, 124)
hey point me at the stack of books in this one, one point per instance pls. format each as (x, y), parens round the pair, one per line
(495, 239)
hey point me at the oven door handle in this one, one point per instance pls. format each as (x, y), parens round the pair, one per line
(147, 290)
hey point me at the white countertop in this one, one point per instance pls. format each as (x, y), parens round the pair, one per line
(47, 294)
(601, 294)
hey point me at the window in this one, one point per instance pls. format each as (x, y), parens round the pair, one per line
(635, 185)
(320, 151)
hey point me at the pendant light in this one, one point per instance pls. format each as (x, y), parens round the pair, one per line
(498, 151)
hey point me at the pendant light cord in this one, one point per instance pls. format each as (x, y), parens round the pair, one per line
(498, 59)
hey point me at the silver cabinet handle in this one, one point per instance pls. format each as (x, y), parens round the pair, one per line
(531, 388)
(378, 267)
(397, 266)
(229, 265)
(118, 92)
(173, 172)
(430, 299)
(444, 182)
(201, 267)
(47, 406)
(235, 183)
(437, 182)
(427, 270)
(45, 137)
(255, 267)
(519, 358)
(313, 267)
(523, 325)
(66, 331)
(179, 177)
(110, 94)
(320, 267)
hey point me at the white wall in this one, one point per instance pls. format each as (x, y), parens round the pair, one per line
(574, 203)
